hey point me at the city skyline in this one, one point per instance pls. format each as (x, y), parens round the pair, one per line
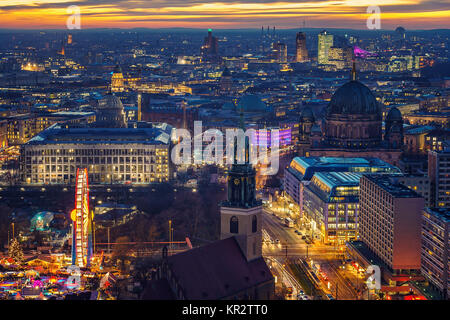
(411, 14)
(178, 160)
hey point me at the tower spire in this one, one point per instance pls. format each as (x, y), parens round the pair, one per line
(241, 119)
(353, 74)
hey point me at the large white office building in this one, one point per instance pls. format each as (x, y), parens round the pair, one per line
(111, 155)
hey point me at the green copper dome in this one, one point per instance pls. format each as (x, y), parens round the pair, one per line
(251, 103)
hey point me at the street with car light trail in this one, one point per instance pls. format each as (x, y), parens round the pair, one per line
(291, 247)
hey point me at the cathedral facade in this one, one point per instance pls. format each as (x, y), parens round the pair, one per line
(352, 127)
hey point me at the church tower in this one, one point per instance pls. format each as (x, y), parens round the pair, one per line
(117, 80)
(226, 82)
(394, 128)
(305, 126)
(240, 214)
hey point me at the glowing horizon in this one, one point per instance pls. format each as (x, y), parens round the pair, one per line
(52, 14)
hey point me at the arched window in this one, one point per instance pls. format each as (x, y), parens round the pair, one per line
(254, 224)
(234, 225)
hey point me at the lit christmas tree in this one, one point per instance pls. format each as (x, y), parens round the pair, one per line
(15, 251)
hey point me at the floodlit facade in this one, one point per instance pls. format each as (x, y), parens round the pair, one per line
(301, 52)
(111, 155)
(301, 170)
(331, 205)
(324, 45)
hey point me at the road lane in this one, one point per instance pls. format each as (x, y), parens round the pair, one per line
(321, 254)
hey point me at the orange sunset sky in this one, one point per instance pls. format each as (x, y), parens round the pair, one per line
(42, 14)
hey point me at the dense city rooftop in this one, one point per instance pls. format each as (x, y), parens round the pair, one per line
(391, 185)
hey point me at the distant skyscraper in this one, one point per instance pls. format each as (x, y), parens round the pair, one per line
(99, 58)
(63, 51)
(341, 57)
(324, 45)
(210, 48)
(280, 51)
(301, 54)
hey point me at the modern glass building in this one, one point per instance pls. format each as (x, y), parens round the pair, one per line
(326, 191)
(301, 170)
(331, 205)
(325, 42)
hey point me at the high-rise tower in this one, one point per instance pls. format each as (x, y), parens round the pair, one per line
(301, 54)
(280, 52)
(324, 45)
(210, 48)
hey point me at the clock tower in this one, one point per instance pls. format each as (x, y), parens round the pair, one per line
(240, 214)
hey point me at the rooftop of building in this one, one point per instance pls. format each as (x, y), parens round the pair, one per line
(429, 114)
(439, 132)
(392, 185)
(305, 167)
(56, 134)
(441, 213)
(335, 179)
(364, 251)
(418, 129)
(336, 186)
(72, 113)
(217, 270)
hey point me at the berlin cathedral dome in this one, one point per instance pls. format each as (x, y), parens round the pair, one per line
(353, 118)
(353, 98)
(352, 126)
